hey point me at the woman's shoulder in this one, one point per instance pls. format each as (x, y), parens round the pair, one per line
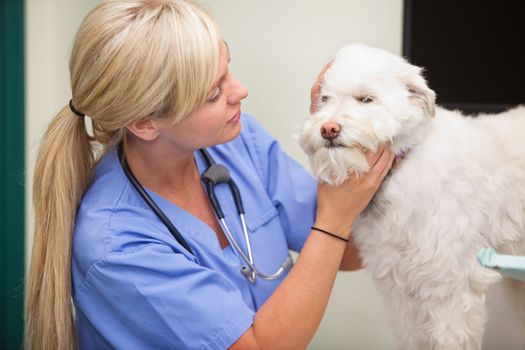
(108, 190)
(109, 214)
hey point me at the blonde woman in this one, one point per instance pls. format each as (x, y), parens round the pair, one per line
(107, 270)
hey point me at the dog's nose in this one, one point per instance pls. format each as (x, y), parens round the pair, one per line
(330, 130)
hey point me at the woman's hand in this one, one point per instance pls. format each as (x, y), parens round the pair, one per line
(338, 206)
(316, 89)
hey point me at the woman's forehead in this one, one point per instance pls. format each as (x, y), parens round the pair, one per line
(224, 59)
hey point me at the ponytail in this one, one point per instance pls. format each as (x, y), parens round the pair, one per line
(62, 174)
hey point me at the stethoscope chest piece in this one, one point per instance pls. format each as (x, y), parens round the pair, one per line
(214, 174)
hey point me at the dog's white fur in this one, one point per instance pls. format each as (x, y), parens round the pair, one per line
(461, 187)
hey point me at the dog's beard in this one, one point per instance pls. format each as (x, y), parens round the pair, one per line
(332, 162)
(334, 165)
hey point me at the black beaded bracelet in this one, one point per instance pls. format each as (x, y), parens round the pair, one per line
(329, 233)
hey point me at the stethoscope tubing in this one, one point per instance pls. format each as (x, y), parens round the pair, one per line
(153, 206)
(248, 244)
(214, 175)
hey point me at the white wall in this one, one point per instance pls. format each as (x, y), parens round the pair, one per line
(277, 49)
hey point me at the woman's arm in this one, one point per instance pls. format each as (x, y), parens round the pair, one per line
(290, 317)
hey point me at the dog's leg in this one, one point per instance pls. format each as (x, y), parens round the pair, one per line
(446, 312)
(403, 311)
(453, 315)
(456, 323)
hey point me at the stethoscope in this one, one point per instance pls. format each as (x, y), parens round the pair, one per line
(214, 175)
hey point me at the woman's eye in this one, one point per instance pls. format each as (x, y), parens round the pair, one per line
(324, 98)
(217, 95)
(365, 99)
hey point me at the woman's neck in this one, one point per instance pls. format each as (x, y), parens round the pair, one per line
(161, 168)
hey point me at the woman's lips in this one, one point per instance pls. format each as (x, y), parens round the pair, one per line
(235, 118)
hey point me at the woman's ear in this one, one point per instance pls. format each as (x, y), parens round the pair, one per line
(145, 128)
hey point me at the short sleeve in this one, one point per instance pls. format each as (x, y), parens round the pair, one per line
(291, 188)
(154, 298)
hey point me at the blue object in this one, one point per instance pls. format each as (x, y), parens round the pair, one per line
(508, 265)
(136, 287)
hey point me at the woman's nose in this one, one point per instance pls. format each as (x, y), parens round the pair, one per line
(239, 93)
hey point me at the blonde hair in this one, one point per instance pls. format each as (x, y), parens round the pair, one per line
(131, 58)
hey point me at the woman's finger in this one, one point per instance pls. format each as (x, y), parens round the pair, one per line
(372, 157)
(316, 88)
(388, 166)
(383, 165)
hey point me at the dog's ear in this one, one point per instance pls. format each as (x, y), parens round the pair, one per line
(419, 91)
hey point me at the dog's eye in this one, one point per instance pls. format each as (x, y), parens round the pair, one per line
(324, 98)
(365, 99)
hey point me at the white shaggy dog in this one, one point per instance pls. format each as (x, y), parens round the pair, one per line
(460, 187)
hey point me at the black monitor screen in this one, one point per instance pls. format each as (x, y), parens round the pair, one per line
(471, 51)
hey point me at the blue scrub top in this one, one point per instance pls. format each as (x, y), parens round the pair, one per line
(136, 287)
